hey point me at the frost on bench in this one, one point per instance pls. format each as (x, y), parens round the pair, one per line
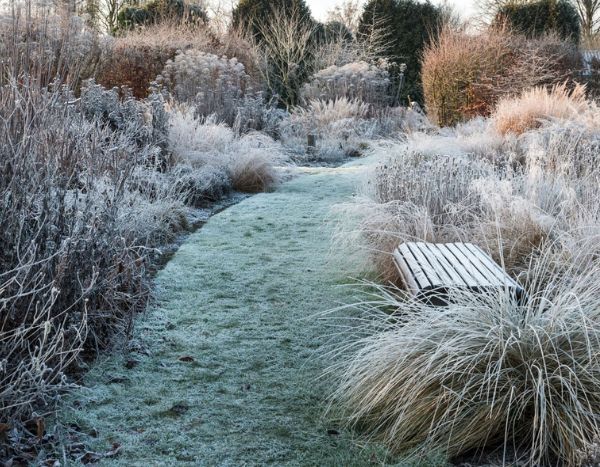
(430, 271)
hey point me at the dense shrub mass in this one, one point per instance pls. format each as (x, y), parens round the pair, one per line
(157, 11)
(216, 85)
(465, 75)
(408, 26)
(92, 182)
(368, 83)
(136, 59)
(252, 15)
(542, 17)
(73, 262)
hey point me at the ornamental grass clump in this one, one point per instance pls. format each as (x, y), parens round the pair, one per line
(534, 106)
(483, 373)
(246, 163)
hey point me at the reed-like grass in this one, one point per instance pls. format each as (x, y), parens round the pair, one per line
(483, 373)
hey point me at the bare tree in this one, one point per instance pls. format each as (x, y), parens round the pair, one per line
(451, 16)
(589, 12)
(348, 13)
(487, 9)
(285, 51)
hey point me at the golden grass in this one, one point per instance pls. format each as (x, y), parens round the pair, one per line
(534, 106)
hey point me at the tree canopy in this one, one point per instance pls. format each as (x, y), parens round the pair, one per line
(408, 26)
(159, 10)
(534, 19)
(251, 15)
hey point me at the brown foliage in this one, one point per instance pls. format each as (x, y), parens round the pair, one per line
(465, 75)
(136, 59)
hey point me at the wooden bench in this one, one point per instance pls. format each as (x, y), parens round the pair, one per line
(431, 270)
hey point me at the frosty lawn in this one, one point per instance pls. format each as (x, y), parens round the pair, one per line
(225, 370)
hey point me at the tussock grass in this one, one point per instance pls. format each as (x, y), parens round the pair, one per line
(249, 162)
(483, 372)
(532, 107)
(253, 172)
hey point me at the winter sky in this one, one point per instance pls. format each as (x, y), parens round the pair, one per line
(321, 7)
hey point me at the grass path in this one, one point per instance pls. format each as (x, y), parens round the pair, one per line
(233, 304)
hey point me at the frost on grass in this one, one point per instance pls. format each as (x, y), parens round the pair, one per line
(510, 194)
(249, 161)
(227, 368)
(484, 372)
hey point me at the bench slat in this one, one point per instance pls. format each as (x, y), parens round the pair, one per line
(442, 272)
(431, 270)
(487, 266)
(465, 260)
(414, 266)
(495, 268)
(454, 277)
(460, 269)
(432, 275)
(406, 272)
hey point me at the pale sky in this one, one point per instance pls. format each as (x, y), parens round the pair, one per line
(321, 7)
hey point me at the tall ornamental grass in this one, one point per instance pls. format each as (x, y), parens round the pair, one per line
(483, 372)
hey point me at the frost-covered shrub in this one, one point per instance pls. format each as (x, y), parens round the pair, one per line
(246, 162)
(69, 277)
(359, 81)
(214, 85)
(565, 148)
(465, 75)
(340, 128)
(202, 185)
(144, 121)
(510, 195)
(80, 203)
(154, 207)
(53, 46)
(138, 57)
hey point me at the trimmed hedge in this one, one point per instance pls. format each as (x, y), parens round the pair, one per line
(542, 17)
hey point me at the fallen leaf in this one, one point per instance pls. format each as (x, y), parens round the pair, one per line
(179, 409)
(129, 364)
(91, 457)
(40, 427)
